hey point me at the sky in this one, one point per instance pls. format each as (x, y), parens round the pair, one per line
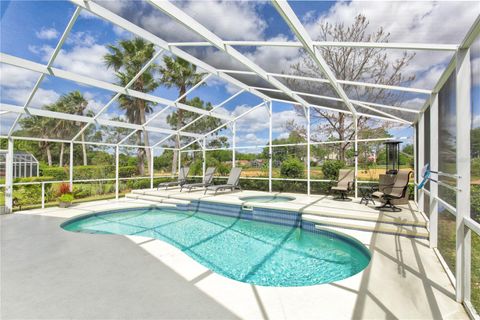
(31, 30)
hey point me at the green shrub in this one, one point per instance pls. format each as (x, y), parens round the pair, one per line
(475, 202)
(292, 168)
(127, 171)
(66, 197)
(27, 195)
(196, 167)
(331, 169)
(56, 173)
(475, 168)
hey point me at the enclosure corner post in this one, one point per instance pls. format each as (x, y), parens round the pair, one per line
(464, 118)
(70, 168)
(179, 161)
(117, 158)
(308, 152)
(152, 157)
(204, 159)
(9, 177)
(234, 143)
(270, 155)
(433, 216)
(355, 149)
(421, 160)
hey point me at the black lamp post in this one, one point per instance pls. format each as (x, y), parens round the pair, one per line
(393, 156)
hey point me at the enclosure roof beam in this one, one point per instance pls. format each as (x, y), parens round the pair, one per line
(134, 29)
(386, 114)
(77, 142)
(37, 67)
(348, 82)
(55, 52)
(296, 44)
(357, 102)
(85, 119)
(181, 17)
(299, 30)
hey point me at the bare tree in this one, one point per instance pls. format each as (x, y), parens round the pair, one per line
(372, 65)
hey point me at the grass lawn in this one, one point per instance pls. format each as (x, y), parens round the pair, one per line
(446, 246)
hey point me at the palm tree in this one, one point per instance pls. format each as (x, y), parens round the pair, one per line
(182, 75)
(127, 59)
(41, 127)
(61, 128)
(73, 103)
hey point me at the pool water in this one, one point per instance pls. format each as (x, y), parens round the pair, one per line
(267, 199)
(244, 250)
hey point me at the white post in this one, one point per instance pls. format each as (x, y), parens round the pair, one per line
(270, 155)
(464, 118)
(117, 171)
(415, 166)
(70, 167)
(179, 161)
(43, 195)
(308, 152)
(434, 167)
(355, 146)
(152, 157)
(421, 159)
(9, 177)
(234, 143)
(204, 158)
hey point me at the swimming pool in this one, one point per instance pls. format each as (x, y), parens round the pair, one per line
(267, 199)
(249, 251)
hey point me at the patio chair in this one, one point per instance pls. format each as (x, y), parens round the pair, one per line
(232, 182)
(207, 180)
(396, 191)
(345, 184)
(182, 179)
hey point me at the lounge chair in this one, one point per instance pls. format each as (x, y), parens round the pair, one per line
(232, 182)
(207, 180)
(182, 179)
(396, 191)
(345, 183)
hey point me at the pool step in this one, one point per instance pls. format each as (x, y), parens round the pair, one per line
(155, 198)
(382, 217)
(371, 226)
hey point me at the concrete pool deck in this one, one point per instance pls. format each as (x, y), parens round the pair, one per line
(47, 272)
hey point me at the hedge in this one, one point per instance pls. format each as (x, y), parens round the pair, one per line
(89, 172)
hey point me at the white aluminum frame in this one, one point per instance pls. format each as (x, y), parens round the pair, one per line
(459, 64)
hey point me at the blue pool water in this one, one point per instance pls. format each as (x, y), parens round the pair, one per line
(267, 199)
(245, 250)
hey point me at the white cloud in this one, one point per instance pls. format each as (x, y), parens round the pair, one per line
(13, 77)
(20, 95)
(47, 33)
(257, 120)
(217, 16)
(84, 56)
(429, 78)
(86, 60)
(17, 83)
(476, 121)
(81, 38)
(275, 59)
